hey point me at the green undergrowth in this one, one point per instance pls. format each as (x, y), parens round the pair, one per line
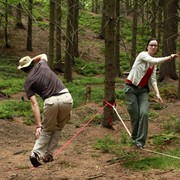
(10, 108)
(167, 161)
(124, 153)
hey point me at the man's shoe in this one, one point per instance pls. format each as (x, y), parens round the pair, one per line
(35, 160)
(48, 158)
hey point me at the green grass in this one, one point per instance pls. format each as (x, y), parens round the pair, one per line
(172, 124)
(78, 89)
(11, 80)
(11, 108)
(156, 162)
(89, 69)
(133, 159)
(106, 144)
(153, 115)
(164, 138)
(89, 21)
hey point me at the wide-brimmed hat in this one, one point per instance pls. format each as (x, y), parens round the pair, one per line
(24, 62)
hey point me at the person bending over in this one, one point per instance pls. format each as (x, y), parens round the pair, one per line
(58, 103)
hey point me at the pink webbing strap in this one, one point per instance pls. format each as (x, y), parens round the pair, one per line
(111, 108)
(108, 103)
(119, 117)
(80, 130)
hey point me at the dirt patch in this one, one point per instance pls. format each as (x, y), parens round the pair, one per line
(79, 159)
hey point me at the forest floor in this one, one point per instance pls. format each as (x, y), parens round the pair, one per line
(78, 159)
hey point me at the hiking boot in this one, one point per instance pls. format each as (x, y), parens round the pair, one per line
(35, 160)
(48, 158)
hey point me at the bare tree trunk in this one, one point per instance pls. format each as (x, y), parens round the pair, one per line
(19, 23)
(29, 34)
(142, 9)
(6, 26)
(153, 21)
(69, 56)
(75, 37)
(160, 12)
(127, 3)
(95, 6)
(117, 43)
(178, 93)
(58, 30)
(109, 89)
(168, 69)
(51, 33)
(134, 35)
(103, 23)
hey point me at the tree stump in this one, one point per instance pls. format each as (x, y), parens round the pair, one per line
(87, 94)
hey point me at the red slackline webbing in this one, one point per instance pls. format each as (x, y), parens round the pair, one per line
(80, 130)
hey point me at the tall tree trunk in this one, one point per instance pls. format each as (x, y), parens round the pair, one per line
(19, 23)
(153, 21)
(95, 6)
(51, 33)
(109, 89)
(58, 36)
(160, 28)
(75, 37)
(178, 92)
(6, 26)
(127, 3)
(142, 9)
(117, 43)
(168, 69)
(69, 56)
(134, 32)
(103, 23)
(29, 30)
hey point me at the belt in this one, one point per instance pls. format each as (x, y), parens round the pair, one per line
(59, 93)
(134, 86)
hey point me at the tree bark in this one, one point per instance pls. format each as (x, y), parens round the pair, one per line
(153, 21)
(103, 23)
(117, 43)
(178, 92)
(51, 33)
(160, 28)
(6, 26)
(19, 23)
(95, 6)
(29, 30)
(109, 89)
(168, 69)
(69, 56)
(134, 32)
(58, 31)
(75, 37)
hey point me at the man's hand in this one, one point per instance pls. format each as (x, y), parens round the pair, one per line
(38, 131)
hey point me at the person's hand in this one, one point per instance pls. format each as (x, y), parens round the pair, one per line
(159, 98)
(38, 131)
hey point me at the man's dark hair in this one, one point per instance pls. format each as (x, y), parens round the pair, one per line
(26, 69)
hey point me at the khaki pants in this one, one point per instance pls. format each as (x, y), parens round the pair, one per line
(56, 112)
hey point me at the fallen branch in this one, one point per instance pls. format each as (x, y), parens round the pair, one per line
(96, 176)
